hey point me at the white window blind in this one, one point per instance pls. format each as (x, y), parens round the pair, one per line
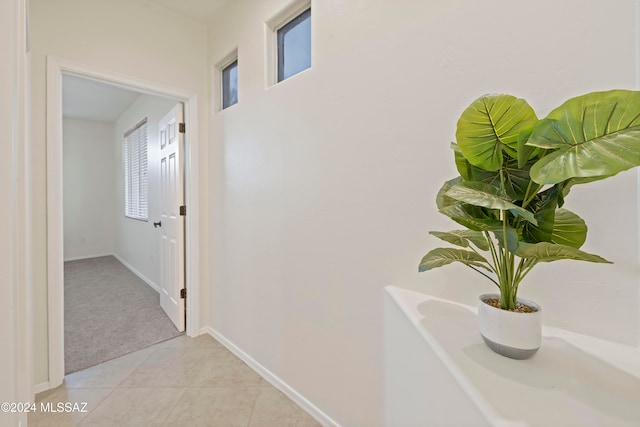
(134, 155)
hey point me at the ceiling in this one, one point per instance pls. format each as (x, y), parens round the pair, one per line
(200, 10)
(91, 100)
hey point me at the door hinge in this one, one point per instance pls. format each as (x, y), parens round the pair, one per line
(182, 128)
(183, 210)
(183, 293)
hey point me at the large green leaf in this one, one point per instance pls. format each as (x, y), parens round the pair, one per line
(515, 178)
(593, 135)
(489, 126)
(473, 217)
(443, 256)
(463, 238)
(526, 152)
(548, 252)
(462, 164)
(566, 185)
(488, 196)
(442, 201)
(512, 238)
(569, 229)
(544, 207)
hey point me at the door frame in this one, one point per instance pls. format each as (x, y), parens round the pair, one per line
(56, 68)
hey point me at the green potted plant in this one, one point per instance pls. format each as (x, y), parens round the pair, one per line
(515, 172)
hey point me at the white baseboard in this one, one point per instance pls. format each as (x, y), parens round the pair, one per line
(39, 388)
(77, 258)
(274, 380)
(137, 273)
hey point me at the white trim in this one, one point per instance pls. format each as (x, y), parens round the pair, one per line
(56, 67)
(137, 273)
(55, 238)
(21, 327)
(286, 14)
(81, 257)
(192, 219)
(39, 388)
(273, 379)
(144, 278)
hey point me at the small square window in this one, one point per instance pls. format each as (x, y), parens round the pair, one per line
(294, 46)
(230, 85)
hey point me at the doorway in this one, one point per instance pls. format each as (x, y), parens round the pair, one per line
(112, 196)
(56, 69)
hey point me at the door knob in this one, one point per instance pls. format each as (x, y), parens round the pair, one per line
(157, 224)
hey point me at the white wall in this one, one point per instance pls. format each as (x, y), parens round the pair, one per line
(89, 188)
(137, 242)
(324, 185)
(134, 38)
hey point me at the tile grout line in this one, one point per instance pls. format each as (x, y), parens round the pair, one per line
(185, 389)
(82, 421)
(113, 388)
(119, 384)
(173, 408)
(253, 410)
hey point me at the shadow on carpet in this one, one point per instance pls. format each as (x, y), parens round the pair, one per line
(108, 312)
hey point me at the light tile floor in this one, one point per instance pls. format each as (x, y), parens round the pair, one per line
(180, 382)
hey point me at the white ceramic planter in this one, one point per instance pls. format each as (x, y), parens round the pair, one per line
(511, 334)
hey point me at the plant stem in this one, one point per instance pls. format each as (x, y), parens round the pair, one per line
(484, 274)
(507, 288)
(494, 257)
(519, 276)
(506, 268)
(528, 266)
(527, 199)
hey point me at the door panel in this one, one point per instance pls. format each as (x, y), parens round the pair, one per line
(171, 198)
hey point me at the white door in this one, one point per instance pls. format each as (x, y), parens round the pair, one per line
(171, 199)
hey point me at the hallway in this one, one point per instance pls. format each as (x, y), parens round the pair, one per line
(182, 381)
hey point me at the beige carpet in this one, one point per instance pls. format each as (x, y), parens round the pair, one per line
(108, 312)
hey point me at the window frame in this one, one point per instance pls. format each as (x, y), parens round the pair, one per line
(271, 27)
(135, 167)
(216, 76)
(280, 33)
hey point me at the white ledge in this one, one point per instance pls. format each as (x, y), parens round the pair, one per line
(573, 380)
